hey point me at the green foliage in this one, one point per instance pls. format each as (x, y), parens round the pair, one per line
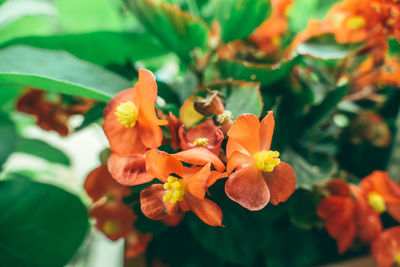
(43, 150)
(302, 206)
(177, 30)
(8, 136)
(31, 237)
(58, 71)
(239, 18)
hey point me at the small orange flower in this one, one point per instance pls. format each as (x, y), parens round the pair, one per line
(130, 121)
(205, 135)
(100, 183)
(260, 176)
(130, 170)
(386, 248)
(114, 219)
(182, 190)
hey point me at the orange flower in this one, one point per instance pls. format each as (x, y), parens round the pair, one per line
(114, 219)
(381, 193)
(136, 243)
(347, 218)
(386, 248)
(129, 170)
(260, 176)
(173, 125)
(130, 121)
(205, 135)
(182, 190)
(100, 183)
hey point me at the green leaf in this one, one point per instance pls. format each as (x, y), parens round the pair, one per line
(43, 150)
(266, 74)
(8, 137)
(99, 47)
(311, 168)
(302, 206)
(239, 18)
(14, 10)
(394, 161)
(302, 11)
(179, 31)
(240, 97)
(94, 114)
(326, 48)
(42, 225)
(58, 71)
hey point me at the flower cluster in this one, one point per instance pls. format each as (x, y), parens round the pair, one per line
(354, 212)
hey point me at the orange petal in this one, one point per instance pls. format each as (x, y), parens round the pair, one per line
(200, 156)
(381, 183)
(281, 182)
(136, 243)
(386, 247)
(161, 165)
(214, 176)
(123, 141)
(197, 184)
(153, 206)
(129, 170)
(245, 130)
(338, 187)
(248, 188)
(173, 125)
(238, 160)
(205, 209)
(394, 211)
(100, 183)
(232, 146)
(267, 131)
(372, 228)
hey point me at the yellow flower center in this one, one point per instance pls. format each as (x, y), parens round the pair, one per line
(376, 202)
(355, 23)
(127, 114)
(175, 190)
(276, 41)
(266, 160)
(397, 259)
(225, 116)
(111, 227)
(202, 141)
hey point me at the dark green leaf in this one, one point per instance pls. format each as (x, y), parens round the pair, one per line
(239, 18)
(101, 48)
(8, 137)
(309, 169)
(326, 48)
(302, 206)
(394, 162)
(266, 74)
(94, 114)
(58, 71)
(43, 150)
(177, 30)
(42, 225)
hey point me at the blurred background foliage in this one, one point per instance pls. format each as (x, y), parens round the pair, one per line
(94, 48)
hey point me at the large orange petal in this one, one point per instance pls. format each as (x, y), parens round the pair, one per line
(232, 146)
(248, 188)
(394, 211)
(200, 156)
(386, 247)
(196, 184)
(123, 141)
(238, 160)
(281, 182)
(245, 130)
(267, 131)
(205, 209)
(153, 206)
(372, 228)
(129, 170)
(381, 183)
(161, 165)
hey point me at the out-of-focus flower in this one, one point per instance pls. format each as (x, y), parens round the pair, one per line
(136, 243)
(205, 135)
(130, 121)
(260, 176)
(386, 248)
(182, 191)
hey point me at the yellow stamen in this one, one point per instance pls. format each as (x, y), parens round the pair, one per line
(397, 259)
(221, 118)
(127, 114)
(377, 202)
(111, 227)
(202, 141)
(355, 23)
(276, 41)
(175, 190)
(266, 160)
